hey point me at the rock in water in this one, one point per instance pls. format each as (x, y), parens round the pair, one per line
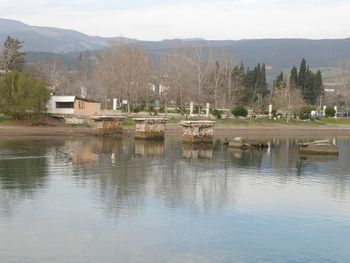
(323, 147)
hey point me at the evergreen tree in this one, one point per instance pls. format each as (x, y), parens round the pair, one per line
(263, 82)
(241, 67)
(302, 74)
(293, 81)
(11, 57)
(308, 90)
(318, 84)
(279, 81)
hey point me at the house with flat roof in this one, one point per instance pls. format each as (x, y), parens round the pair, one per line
(72, 105)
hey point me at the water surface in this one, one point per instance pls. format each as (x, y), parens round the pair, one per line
(104, 200)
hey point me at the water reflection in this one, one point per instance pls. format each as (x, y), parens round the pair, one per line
(193, 151)
(23, 170)
(136, 192)
(149, 148)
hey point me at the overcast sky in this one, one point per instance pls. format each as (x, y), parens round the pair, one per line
(210, 19)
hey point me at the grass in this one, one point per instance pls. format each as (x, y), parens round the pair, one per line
(267, 122)
(262, 122)
(129, 121)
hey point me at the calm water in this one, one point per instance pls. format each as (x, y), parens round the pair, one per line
(94, 200)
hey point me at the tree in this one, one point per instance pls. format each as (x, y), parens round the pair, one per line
(201, 67)
(255, 82)
(22, 95)
(175, 69)
(11, 57)
(293, 80)
(302, 74)
(309, 83)
(279, 81)
(56, 76)
(287, 98)
(262, 81)
(233, 80)
(125, 72)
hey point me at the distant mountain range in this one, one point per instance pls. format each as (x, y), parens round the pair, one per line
(43, 42)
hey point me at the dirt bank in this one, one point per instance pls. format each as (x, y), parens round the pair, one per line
(229, 131)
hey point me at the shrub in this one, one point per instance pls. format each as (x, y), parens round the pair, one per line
(305, 112)
(330, 112)
(22, 95)
(162, 109)
(239, 111)
(138, 108)
(182, 110)
(196, 109)
(216, 113)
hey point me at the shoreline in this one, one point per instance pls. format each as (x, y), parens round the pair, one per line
(221, 131)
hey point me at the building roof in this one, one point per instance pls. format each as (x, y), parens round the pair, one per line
(71, 99)
(87, 100)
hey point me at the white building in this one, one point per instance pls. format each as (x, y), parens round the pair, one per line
(72, 105)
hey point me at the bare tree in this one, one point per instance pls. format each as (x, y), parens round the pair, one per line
(176, 72)
(56, 76)
(288, 99)
(201, 67)
(343, 97)
(124, 72)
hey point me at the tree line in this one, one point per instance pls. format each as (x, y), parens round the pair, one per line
(185, 74)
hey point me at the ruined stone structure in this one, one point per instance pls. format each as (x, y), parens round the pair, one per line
(197, 131)
(108, 125)
(150, 128)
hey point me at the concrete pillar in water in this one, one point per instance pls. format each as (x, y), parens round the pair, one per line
(150, 128)
(108, 125)
(197, 131)
(207, 112)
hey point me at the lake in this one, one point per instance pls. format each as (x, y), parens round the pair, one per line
(121, 200)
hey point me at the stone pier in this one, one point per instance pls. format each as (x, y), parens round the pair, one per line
(150, 128)
(197, 131)
(108, 125)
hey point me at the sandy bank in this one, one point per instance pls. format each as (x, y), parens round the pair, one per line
(173, 129)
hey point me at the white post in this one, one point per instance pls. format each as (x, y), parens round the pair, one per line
(324, 110)
(336, 111)
(270, 110)
(191, 108)
(115, 103)
(208, 110)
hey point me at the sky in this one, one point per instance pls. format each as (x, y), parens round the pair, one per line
(169, 19)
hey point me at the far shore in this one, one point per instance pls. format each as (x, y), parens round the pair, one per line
(221, 131)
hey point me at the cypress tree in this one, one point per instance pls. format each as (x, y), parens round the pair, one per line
(279, 80)
(302, 74)
(308, 90)
(293, 81)
(263, 82)
(318, 84)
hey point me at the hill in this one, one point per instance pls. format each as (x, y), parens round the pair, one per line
(278, 54)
